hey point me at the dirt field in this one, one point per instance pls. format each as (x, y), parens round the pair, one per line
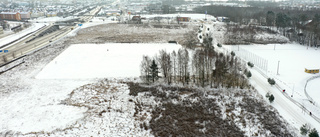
(129, 33)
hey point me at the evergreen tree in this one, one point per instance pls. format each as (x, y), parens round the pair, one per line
(154, 71)
(313, 133)
(270, 18)
(271, 98)
(271, 81)
(304, 129)
(248, 74)
(232, 53)
(268, 95)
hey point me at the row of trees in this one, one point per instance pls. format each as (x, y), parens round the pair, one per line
(205, 68)
(292, 23)
(297, 27)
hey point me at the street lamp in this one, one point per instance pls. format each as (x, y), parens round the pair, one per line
(292, 89)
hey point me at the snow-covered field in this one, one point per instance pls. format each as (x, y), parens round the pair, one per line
(292, 60)
(84, 61)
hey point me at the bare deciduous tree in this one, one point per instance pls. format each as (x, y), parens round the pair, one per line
(145, 69)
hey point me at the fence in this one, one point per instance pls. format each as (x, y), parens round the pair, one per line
(262, 65)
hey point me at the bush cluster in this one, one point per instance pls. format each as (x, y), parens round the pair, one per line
(271, 81)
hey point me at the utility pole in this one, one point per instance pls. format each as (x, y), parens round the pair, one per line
(292, 90)
(278, 68)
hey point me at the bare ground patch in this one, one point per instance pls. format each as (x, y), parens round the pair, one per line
(215, 112)
(131, 33)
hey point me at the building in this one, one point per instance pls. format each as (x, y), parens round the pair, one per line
(51, 14)
(312, 71)
(37, 14)
(183, 19)
(16, 16)
(25, 15)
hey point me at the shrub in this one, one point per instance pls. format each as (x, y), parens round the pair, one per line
(250, 64)
(232, 53)
(219, 45)
(313, 133)
(271, 81)
(268, 95)
(248, 74)
(271, 98)
(304, 129)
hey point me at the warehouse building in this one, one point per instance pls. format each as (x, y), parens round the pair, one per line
(16, 16)
(25, 15)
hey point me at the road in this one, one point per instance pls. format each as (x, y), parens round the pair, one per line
(21, 48)
(288, 109)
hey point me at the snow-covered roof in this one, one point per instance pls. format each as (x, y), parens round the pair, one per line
(24, 12)
(9, 12)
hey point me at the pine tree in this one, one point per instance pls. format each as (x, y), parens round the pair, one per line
(304, 129)
(271, 81)
(313, 133)
(154, 71)
(271, 98)
(248, 74)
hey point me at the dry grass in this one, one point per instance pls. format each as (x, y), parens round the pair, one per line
(130, 33)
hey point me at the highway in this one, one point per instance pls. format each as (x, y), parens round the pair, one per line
(21, 48)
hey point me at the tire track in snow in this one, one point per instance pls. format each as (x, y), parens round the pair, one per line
(278, 99)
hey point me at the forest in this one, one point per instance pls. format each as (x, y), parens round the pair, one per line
(202, 67)
(299, 25)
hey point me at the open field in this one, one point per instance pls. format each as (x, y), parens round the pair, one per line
(130, 33)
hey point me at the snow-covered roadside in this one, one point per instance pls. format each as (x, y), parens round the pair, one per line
(292, 77)
(291, 112)
(10, 38)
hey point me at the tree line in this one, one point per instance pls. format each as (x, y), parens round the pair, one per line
(200, 67)
(302, 26)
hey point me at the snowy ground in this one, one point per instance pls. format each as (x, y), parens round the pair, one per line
(84, 61)
(50, 19)
(44, 101)
(292, 59)
(36, 106)
(313, 89)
